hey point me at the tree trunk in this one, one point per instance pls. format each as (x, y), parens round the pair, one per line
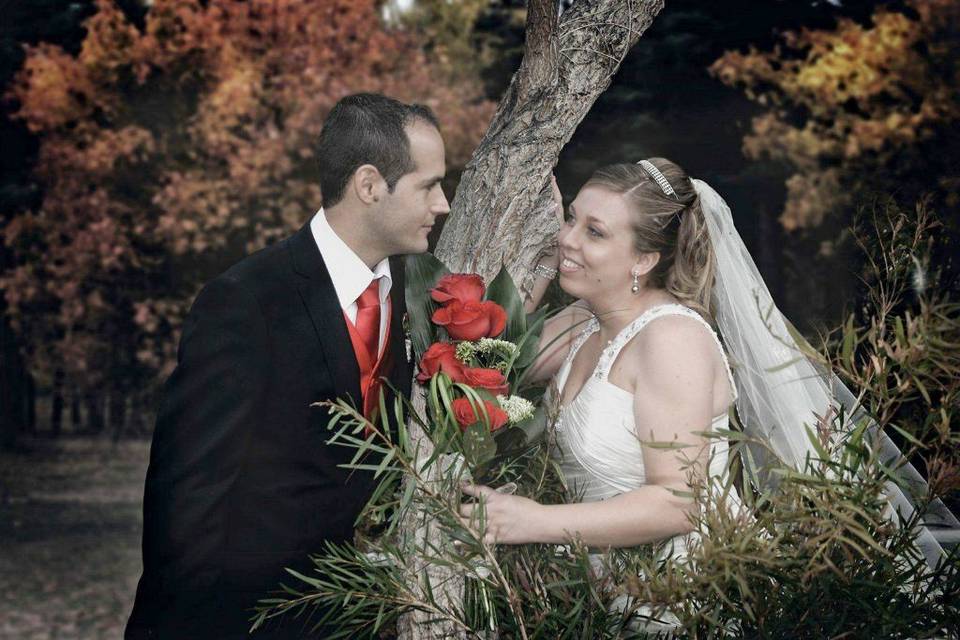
(501, 214)
(94, 413)
(31, 405)
(76, 421)
(56, 405)
(118, 413)
(447, 586)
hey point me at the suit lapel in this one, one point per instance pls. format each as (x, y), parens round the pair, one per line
(320, 299)
(401, 371)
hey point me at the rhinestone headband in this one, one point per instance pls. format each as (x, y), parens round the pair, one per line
(658, 177)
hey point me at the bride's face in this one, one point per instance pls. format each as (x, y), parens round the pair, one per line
(597, 248)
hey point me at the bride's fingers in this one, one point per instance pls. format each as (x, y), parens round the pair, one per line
(470, 515)
(471, 523)
(476, 490)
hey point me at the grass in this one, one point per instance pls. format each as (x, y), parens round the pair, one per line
(70, 526)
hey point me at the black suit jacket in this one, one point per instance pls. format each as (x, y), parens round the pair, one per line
(241, 483)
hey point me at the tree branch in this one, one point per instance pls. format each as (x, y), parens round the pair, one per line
(501, 213)
(539, 67)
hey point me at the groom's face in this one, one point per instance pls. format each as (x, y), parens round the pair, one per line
(409, 213)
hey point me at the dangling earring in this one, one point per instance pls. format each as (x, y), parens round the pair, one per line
(635, 289)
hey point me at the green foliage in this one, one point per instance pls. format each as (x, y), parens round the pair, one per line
(902, 347)
(823, 537)
(471, 38)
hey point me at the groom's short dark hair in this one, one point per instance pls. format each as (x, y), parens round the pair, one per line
(366, 128)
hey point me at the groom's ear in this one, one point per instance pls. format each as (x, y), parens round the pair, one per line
(645, 263)
(368, 184)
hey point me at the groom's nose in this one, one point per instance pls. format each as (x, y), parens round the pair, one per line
(440, 207)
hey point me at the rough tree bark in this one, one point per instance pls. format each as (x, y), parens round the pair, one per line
(500, 214)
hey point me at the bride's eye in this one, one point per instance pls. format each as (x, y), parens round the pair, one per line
(568, 217)
(595, 232)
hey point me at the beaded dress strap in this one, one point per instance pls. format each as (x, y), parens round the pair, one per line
(592, 326)
(613, 348)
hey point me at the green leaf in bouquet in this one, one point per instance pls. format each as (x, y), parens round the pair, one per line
(512, 447)
(528, 344)
(443, 428)
(533, 427)
(421, 272)
(509, 440)
(547, 314)
(504, 292)
(479, 446)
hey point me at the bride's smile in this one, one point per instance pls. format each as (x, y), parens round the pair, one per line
(569, 266)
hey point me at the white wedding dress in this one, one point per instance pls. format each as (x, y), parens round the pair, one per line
(598, 443)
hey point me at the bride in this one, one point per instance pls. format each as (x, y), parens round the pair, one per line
(652, 256)
(634, 362)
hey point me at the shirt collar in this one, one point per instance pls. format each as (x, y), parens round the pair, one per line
(348, 272)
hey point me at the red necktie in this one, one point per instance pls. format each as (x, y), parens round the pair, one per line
(368, 319)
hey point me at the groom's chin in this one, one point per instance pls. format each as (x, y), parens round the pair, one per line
(432, 237)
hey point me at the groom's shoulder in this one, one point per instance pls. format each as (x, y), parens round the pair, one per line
(263, 265)
(257, 277)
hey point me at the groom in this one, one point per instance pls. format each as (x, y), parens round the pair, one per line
(241, 483)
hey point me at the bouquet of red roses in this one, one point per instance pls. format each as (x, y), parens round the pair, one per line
(473, 344)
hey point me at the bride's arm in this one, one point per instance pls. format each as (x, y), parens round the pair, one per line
(674, 392)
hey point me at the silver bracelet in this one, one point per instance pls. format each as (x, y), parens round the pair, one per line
(544, 271)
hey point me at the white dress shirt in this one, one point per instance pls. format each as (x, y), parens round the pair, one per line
(348, 272)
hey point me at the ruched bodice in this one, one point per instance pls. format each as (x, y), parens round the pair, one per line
(598, 444)
(598, 441)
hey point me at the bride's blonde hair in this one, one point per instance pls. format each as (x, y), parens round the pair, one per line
(671, 226)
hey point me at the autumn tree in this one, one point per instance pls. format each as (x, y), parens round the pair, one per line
(858, 110)
(168, 152)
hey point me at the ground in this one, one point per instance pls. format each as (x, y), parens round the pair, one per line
(70, 525)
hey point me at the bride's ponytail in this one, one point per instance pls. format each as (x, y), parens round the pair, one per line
(669, 224)
(690, 278)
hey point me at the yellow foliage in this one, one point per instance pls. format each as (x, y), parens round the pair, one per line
(110, 43)
(52, 89)
(845, 102)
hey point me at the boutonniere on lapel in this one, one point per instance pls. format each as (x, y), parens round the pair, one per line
(407, 342)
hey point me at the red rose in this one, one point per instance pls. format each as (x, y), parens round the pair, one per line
(465, 414)
(462, 287)
(471, 320)
(440, 357)
(489, 379)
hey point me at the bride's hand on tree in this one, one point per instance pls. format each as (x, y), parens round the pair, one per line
(551, 257)
(545, 268)
(509, 519)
